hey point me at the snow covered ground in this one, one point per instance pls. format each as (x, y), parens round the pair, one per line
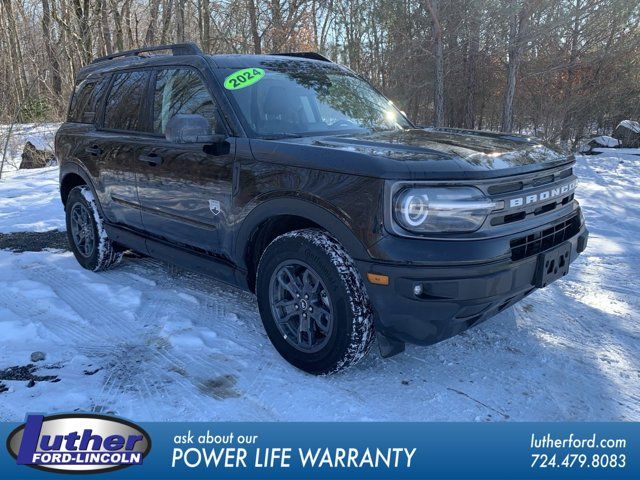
(30, 202)
(148, 341)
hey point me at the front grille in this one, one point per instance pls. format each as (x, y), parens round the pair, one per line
(514, 217)
(530, 185)
(537, 242)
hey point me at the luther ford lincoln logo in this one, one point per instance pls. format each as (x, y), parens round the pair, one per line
(542, 196)
(77, 443)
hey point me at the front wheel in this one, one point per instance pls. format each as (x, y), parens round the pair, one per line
(313, 302)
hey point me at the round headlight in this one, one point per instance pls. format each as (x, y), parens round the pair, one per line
(415, 209)
(441, 209)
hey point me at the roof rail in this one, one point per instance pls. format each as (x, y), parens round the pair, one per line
(176, 49)
(311, 55)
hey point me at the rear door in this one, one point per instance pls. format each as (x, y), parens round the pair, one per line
(123, 132)
(77, 138)
(185, 189)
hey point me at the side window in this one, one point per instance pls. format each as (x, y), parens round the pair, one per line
(125, 101)
(181, 91)
(86, 100)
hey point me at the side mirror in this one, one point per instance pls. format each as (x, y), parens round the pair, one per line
(184, 128)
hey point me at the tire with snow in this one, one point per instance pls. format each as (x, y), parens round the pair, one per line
(87, 237)
(313, 302)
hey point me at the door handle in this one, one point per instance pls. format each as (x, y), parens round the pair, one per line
(93, 150)
(151, 159)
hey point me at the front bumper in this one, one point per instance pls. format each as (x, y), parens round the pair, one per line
(454, 297)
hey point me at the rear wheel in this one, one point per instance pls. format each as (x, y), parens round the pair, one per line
(313, 303)
(87, 237)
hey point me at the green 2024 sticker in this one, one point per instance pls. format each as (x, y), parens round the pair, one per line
(243, 78)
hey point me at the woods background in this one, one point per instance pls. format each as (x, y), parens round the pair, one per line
(561, 69)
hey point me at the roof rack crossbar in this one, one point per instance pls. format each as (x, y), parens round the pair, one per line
(176, 49)
(311, 55)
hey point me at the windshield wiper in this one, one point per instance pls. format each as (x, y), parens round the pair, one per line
(277, 136)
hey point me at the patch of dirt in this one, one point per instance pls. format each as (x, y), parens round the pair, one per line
(102, 409)
(26, 373)
(220, 387)
(34, 241)
(527, 307)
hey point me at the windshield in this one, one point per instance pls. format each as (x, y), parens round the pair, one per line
(280, 99)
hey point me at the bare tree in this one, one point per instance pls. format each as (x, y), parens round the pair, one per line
(17, 61)
(56, 81)
(150, 36)
(205, 16)
(180, 18)
(105, 30)
(255, 34)
(519, 14)
(472, 65)
(167, 12)
(438, 54)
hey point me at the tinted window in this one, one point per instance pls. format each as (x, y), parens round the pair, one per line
(86, 100)
(125, 101)
(181, 91)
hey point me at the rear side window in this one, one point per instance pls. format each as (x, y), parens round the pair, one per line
(181, 91)
(86, 100)
(125, 101)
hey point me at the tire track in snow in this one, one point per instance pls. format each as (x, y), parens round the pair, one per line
(96, 312)
(105, 335)
(200, 367)
(213, 298)
(111, 340)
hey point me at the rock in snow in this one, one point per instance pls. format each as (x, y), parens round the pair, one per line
(601, 141)
(38, 356)
(628, 132)
(34, 158)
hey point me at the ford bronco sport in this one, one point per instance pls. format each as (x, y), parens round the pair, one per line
(290, 176)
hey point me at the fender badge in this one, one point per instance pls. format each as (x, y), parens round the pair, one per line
(214, 206)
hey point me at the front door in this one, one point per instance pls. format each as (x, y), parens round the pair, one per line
(185, 189)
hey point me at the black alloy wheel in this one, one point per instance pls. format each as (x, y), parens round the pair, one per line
(301, 306)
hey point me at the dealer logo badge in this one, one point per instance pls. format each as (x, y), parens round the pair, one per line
(78, 443)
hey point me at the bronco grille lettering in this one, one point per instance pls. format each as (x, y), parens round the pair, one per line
(542, 196)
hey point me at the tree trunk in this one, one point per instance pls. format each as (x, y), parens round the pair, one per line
(180, 19)
(321, 22)
(150, 36)
(117, 25)
(82, 11)
(253, 18)
(277, 29)
(126, 13)
(205, 15)
(105, 30)
(472, 69)
(518, 24)
(438, 53)
(16, 52)
(567, 116)
(56, 81)
(167, 8)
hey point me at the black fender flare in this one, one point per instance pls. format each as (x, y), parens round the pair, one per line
(320, 215)
(71, 167)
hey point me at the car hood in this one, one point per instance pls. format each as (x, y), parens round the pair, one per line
(419, 153)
